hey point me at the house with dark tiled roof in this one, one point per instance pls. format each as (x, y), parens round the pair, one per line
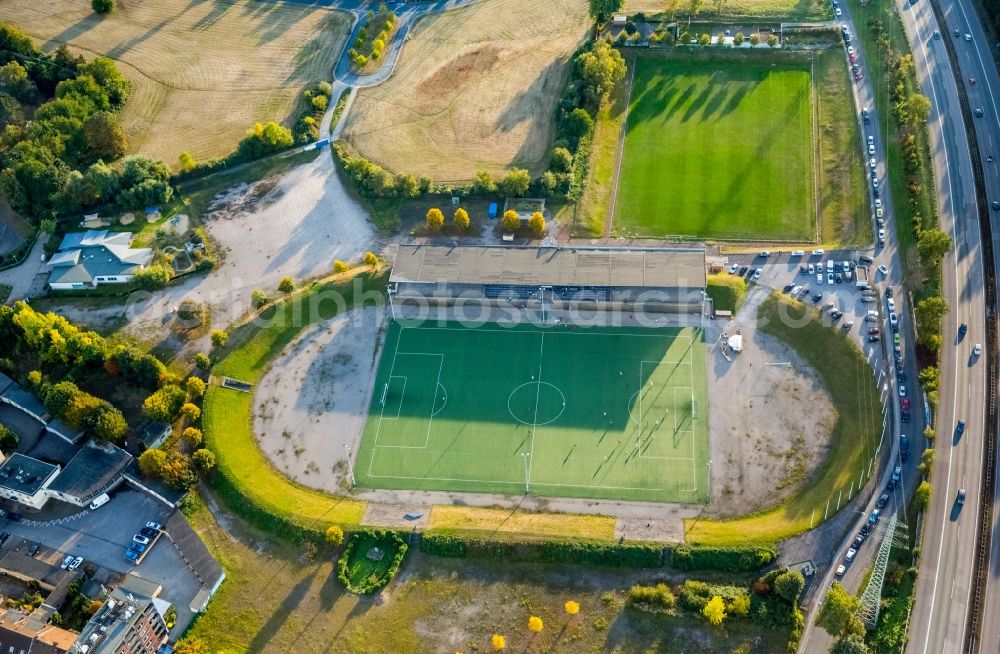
(89, 259)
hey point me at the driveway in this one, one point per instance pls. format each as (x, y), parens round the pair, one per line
(22, 278)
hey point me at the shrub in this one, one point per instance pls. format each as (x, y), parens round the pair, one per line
(190, 411)
(102, 6)
(152, 277)
(193, 437)
(510, 221)
(151, 462)
(202, 361)
(789, 584)
(434, 220)
(334, 535)
(370, 259)
(286, 285)
(658, 598)
(537, 223)
(195, 387)
(258, 298)
(320, 102)
(203, 460)
(219, 337)
(164, 404)
(627, 555)
(695, 595)
(724, 559)
(461, 219)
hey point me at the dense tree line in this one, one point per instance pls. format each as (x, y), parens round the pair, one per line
(57, 162)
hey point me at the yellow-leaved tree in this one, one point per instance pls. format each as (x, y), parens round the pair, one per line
(435, 219)
(535, 624)
(537, 223)
(715, 611)
(498, 642)
(571, 607)
(510, 221)
(461, 219)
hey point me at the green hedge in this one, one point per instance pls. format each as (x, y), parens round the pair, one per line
(724, 559)
(260, 517)
(625, 555)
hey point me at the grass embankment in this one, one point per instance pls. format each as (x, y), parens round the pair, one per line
(874, 17)
(273, 600)
(727, 291)
(228, 414)
(785, 10)
(497, 523)
(848, 379)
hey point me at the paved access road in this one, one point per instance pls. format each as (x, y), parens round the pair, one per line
(975, 62)
(946, 563)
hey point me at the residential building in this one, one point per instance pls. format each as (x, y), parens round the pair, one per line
(89, 259)
(26, 480)
(20, 632)
(128, 623)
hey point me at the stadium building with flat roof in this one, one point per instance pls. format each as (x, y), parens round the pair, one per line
(658, 279)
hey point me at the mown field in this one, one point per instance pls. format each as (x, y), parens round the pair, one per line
(718, 147)
(276, 600)
(203, 72)
(474, 89)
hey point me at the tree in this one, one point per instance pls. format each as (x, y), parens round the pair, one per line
(177, 471)
(922, 496)
(773, 40)
(340, 266)
(164, 404)
(601, 68)
(740, 606)
(105, 136)
(192, 646)
(535, 624)
(107, 423)
(715, 611)
(571, 607)
(203, 460)
(186, 161)
(837, 613)
(461, 219)
(190, 411)
(704, 39)
(434, 220)
(219, 337)
(334, 535)
(578, 123)
(47, 225)
(515, 183)
(258, 298)
(738, 39)
(8, 440)
(102, 6)
(755, 39)
(286, 285)
(370, 259)
(195, 387)
(789, 584)
(193, 437)
(915, 109)
(498, 642)
(933, 244)
(202, 361)
(16, 81)
(853, 644)
(510, 221)
(561, 160)
(537, 223)
(601, 9)
(264, 139)
(483, 183)
(152, 277)
(151, 462)
(929, 313)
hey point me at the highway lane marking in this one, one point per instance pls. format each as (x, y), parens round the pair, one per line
(944, 516)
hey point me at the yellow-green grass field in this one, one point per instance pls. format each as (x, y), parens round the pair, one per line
(227, 414)
(849, 380)
(500, 522)
(718, 147)
(203, 72)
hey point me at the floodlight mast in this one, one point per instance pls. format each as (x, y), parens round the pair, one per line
(527, 479)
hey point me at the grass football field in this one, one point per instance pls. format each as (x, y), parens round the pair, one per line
(718, 148)
(613, 413)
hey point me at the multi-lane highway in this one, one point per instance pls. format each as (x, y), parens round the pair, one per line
(944, 583)
(975, 62)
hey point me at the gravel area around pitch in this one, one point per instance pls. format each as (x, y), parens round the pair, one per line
(770, 417)
(314, 399)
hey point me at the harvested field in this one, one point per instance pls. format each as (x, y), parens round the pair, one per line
(475, 88)
(203, 72)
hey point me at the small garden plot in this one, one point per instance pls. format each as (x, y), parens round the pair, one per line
(371, 560)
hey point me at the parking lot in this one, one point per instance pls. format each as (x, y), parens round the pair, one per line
(101, 537)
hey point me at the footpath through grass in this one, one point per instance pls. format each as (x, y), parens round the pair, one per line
(228, 414)
(849, 381)
(718, 146)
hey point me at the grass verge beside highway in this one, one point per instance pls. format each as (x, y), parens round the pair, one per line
(849, 381)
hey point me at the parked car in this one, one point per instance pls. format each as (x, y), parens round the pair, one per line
(873, 330)
(891, 303)
(882, 501)
(902, 390)
(149, 533)
(138, 548)
(829, 278)
(847, 325)
(756, 274)
(65, 562)
(866, 258)
(841, 570)
(851, 553)
(904, 404)
(798, 253)
(154, 525)
(904, 416)
(817, 298)
(733, 268)
(764, 253)
(76, 563)
(139, 538)
(873, 339)
(131, 555)
(818, 253)
(893, 321)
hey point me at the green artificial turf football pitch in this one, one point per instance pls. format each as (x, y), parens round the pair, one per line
(718, 147)
(616, 413)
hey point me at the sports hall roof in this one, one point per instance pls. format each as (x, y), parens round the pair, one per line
(659, 267)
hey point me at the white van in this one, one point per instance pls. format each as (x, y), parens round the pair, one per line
(99, 501)
(829, 265)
